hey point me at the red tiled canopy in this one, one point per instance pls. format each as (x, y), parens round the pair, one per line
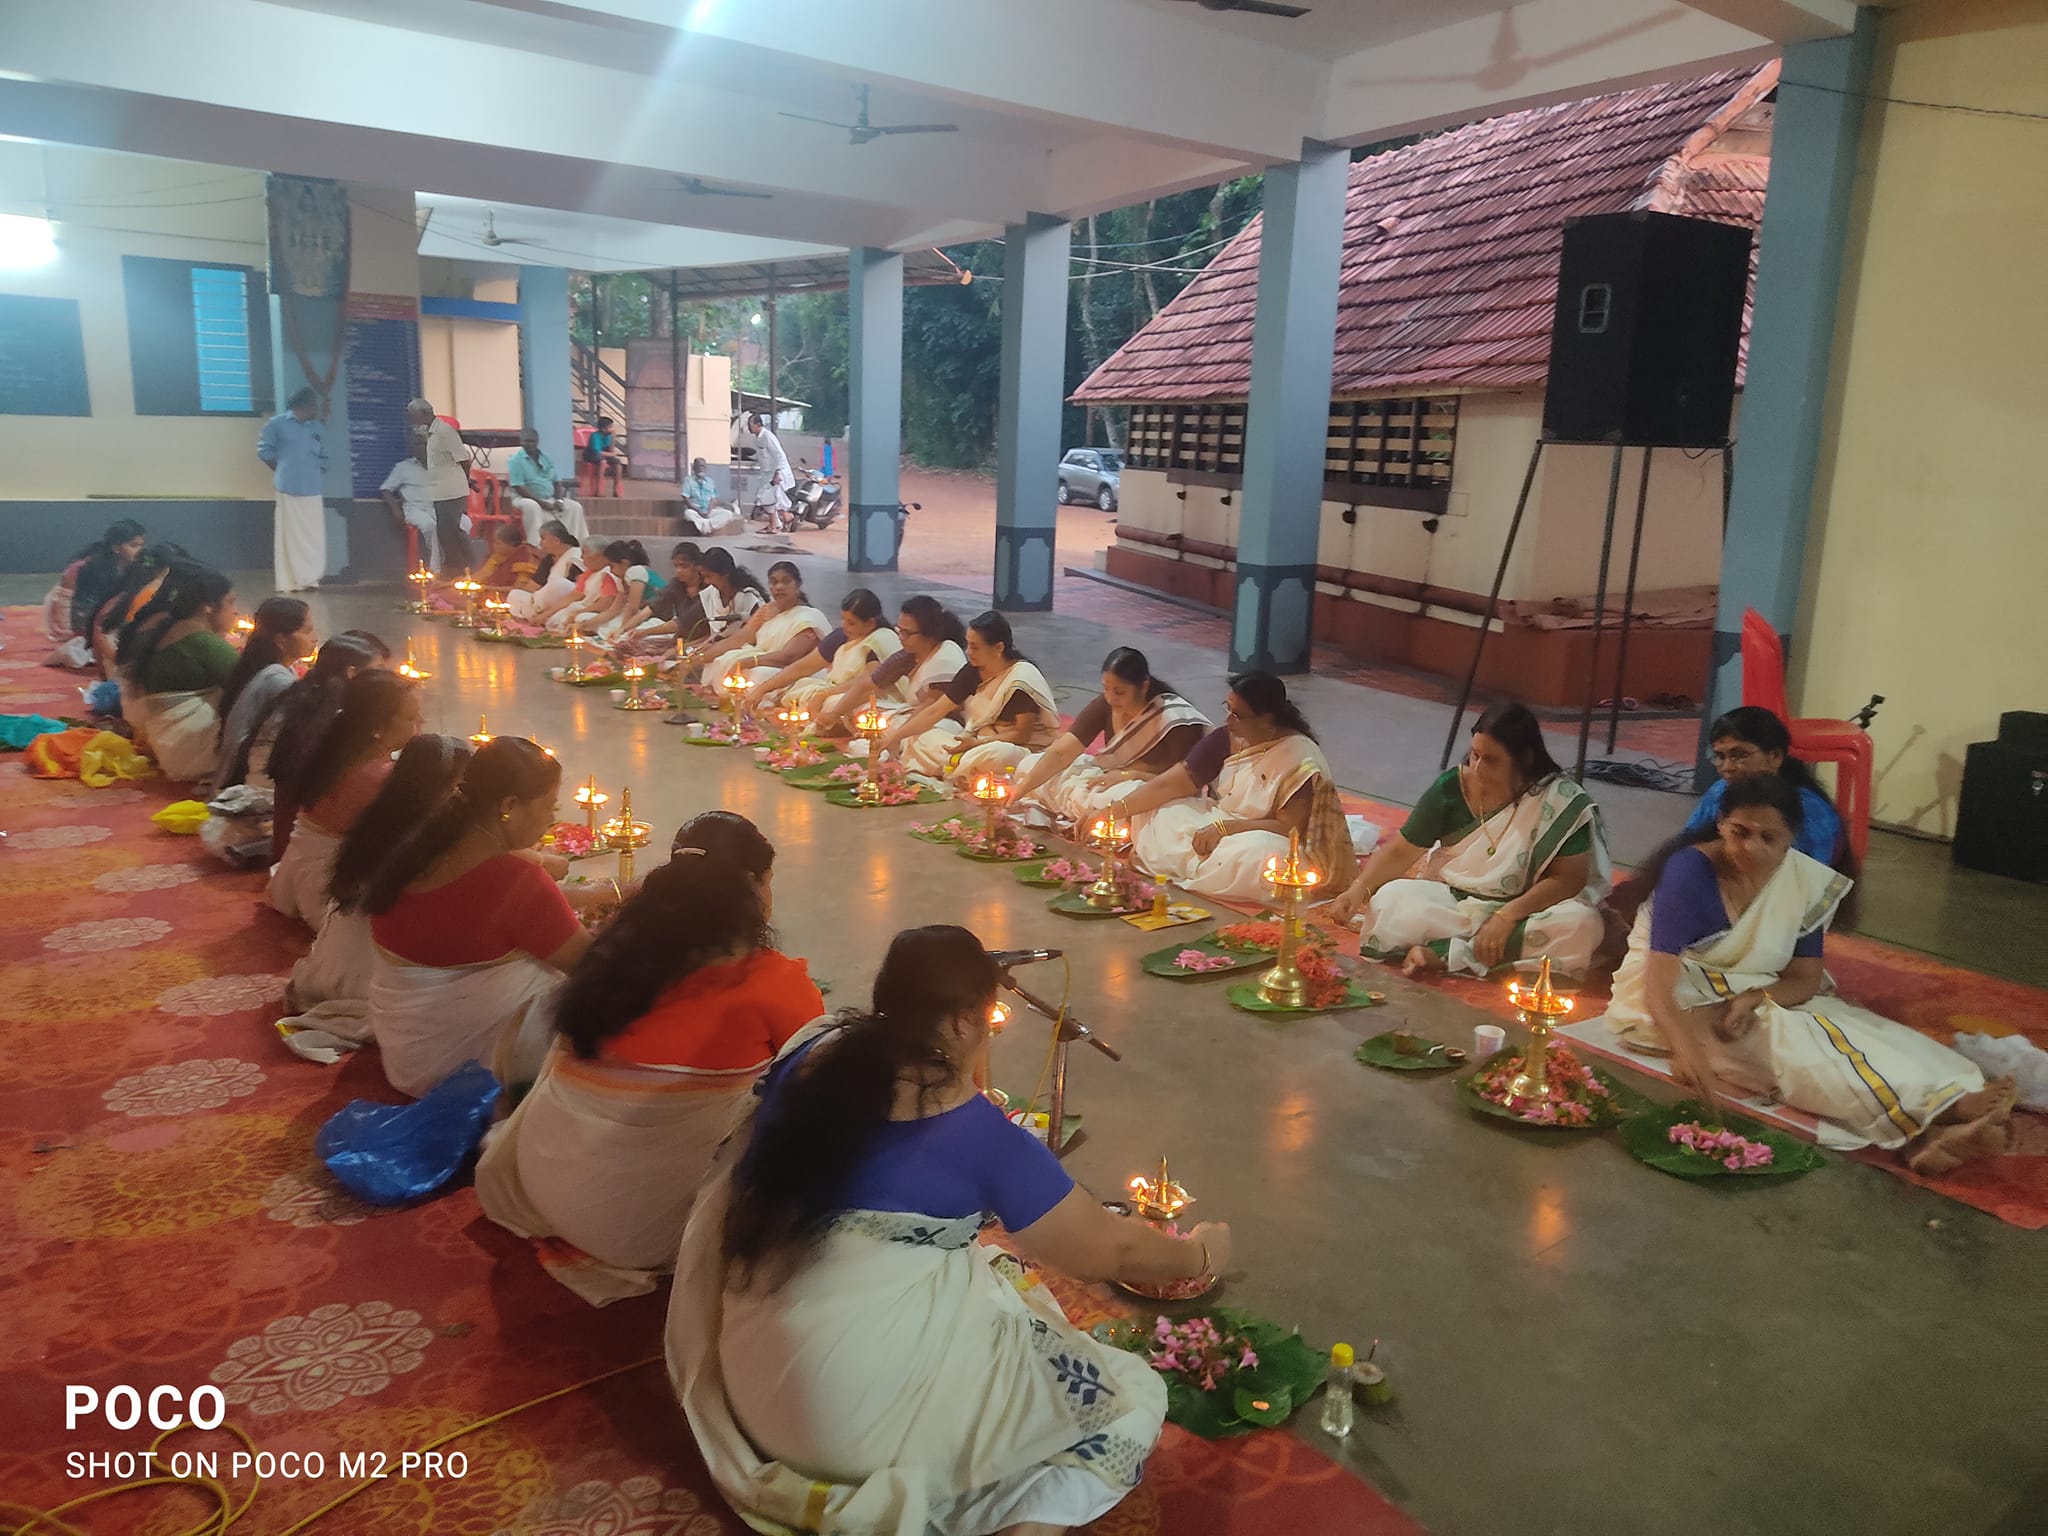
(1451, 246)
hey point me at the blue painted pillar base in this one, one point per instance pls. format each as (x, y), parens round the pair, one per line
(874, 535)
(1272, 628)
(1024, 559)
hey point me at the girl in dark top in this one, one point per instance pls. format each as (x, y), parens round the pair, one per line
(90, 579)
(287, 736)
(1146, 728)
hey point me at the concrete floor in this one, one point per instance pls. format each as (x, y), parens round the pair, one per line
(1577, 1343)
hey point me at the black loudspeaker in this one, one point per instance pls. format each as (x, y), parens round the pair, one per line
(1648, 324)
(2002, 815)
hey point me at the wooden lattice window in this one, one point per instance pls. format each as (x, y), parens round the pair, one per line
(1407, 443)
(1391, 442)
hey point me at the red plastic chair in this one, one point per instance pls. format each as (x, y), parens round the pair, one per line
(1839, 742)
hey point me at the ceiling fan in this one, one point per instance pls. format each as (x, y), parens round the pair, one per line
(1254, 8)
(493, 238)
(861, 131)
(1507, 65)
(697, 186)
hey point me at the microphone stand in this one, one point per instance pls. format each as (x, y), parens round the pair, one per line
(1069, 1030)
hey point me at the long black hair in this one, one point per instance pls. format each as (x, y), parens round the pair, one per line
(505, 768)
(1267, 696)
(718, 561)
(1756, 791)
(934, 619)
(995, 630)
(828, 1110)
(277, 620)
(370, 701)
(152, 565)
(1131, 667)
(702, 907)
(421, 781)
(1515, 726)
(186, 589)
(305, 710)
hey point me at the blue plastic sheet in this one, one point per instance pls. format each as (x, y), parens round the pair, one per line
(387, 1154)
(17, 731)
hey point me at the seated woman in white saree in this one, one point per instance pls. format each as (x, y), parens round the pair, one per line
(838, 661)
(778, 632)
(849, 1357)
(173, 661)
(1269, 780)
(1724, 973)
(1502, 862)
(679, 1006)
(380, 712)
(471, 932)
(932, 653)
(596, 591)
(553, 585)
(995, 712)
(637, 584)
(1145, 728)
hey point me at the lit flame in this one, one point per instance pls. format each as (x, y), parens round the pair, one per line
(998, 1016)
(482, 733)
(870, 722)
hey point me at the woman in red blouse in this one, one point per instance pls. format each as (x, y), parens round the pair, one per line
(472, 933)
(681, 1003)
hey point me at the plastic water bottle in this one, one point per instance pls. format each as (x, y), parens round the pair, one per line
(1339, 1412)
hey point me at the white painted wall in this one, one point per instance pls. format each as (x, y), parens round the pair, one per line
(470, 370)
(106, 206)
(1558, 552)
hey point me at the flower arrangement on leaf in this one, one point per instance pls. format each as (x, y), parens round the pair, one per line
(1008, 843)
(1327, 986)
(1069, 871)
(1733, 1152)
(804, 754)
(1202, 960)
(1573, 1095)
(1226, 1374)
(747, 734)
(1263, 935)
(568, 839)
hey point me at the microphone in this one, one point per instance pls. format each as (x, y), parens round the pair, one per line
(1005, 958)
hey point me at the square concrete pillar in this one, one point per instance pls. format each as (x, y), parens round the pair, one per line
(1293, 341)
(874, 431)
(1035, 263)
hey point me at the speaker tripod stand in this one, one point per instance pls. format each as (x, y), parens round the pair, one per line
(1726, 448)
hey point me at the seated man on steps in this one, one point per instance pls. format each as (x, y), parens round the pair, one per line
(702, 509)
(538, 493)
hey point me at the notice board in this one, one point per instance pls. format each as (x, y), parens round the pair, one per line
(383, 353)
(42, 357)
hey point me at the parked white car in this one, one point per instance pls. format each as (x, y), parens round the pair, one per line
(1090, 474)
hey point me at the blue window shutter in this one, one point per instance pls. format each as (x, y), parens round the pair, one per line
(220, 328)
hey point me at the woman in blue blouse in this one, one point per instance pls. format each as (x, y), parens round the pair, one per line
(849, 1357)
(1750, 739)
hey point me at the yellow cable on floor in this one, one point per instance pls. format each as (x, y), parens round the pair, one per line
(224, 1517)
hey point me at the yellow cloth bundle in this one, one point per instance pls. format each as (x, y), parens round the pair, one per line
(182, 816)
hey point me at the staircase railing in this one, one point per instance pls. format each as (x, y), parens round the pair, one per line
(600, 389)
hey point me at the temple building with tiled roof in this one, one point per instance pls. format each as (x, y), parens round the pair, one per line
(1449, 280)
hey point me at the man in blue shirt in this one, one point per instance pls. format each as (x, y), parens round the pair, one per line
(702, 509)
(538, 494)
(294, 445)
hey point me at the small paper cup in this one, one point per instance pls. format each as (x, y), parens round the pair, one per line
(618, 695)
(1487, 1041)
(558, 673)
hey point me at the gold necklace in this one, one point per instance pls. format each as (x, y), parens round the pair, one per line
(1492, 843)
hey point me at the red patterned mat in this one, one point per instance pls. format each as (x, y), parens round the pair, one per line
(163, 1220)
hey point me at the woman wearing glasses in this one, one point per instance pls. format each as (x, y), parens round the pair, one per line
(930, 655)
(1749, 740)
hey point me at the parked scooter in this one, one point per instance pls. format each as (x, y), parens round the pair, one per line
(816, 497)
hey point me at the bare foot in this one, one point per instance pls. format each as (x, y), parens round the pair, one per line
(1421, 960)
(1948, 1148)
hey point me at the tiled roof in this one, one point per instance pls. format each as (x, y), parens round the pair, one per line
(1451, 245)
